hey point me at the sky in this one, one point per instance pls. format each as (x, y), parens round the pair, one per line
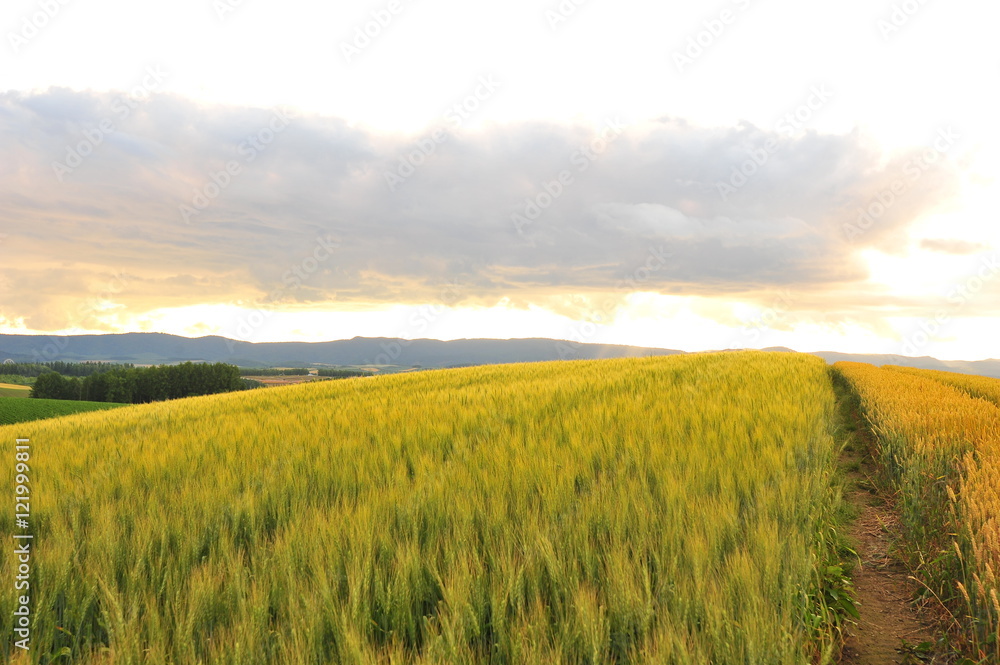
(694, 176)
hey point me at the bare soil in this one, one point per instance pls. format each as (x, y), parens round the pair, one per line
(891, 631)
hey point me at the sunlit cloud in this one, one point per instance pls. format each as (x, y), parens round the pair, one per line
(776, 190)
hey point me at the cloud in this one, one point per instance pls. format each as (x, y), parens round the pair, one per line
(92, 187)
(959, 247)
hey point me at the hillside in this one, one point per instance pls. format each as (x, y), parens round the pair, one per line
(659, 510)
(149, 348)
(155, 348)
(22, 410)
(981, 367)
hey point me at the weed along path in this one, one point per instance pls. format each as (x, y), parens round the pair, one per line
(889, 631)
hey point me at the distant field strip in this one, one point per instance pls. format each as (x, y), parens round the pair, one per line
(940, 440)
(12, 390)
(21, 410)
(975, 386)
(661, 510)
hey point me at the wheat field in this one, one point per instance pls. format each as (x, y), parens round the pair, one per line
(938, 435)
(985, 387)
(661, 510)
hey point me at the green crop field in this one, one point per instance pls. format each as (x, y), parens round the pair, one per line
(661, 510)
(21, 410)
(13, 390)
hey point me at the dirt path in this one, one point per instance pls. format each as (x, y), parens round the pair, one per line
(890, 631)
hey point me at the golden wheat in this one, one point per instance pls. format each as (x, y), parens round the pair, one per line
(985, 387)
(664, 510)
(940, 438)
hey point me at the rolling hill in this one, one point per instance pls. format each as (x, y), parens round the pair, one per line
(159, 348)
(150, 348)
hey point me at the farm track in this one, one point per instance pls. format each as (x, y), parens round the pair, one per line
(890, 629)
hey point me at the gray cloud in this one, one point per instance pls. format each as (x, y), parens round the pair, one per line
(655, 187)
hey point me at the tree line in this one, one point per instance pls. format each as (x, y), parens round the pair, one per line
(271, 371)
(60, 367)
(302, 371)
(343, 373)
(138, 385)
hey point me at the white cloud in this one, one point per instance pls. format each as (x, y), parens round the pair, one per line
(203, 128)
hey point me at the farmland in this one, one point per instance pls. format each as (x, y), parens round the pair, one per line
(14, 390)
(938, 439)
(974, 386)
(660, 510)
(19, 409)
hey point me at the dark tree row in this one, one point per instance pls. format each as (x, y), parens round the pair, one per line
(60, 367)
(138, 385)
(301, 371)
(343, 373)
(270, 371)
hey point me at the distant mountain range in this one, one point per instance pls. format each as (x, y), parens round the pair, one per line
(155, 348)
(989, 367)
(160, 348)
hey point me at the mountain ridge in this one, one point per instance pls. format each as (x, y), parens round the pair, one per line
(164, 348)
